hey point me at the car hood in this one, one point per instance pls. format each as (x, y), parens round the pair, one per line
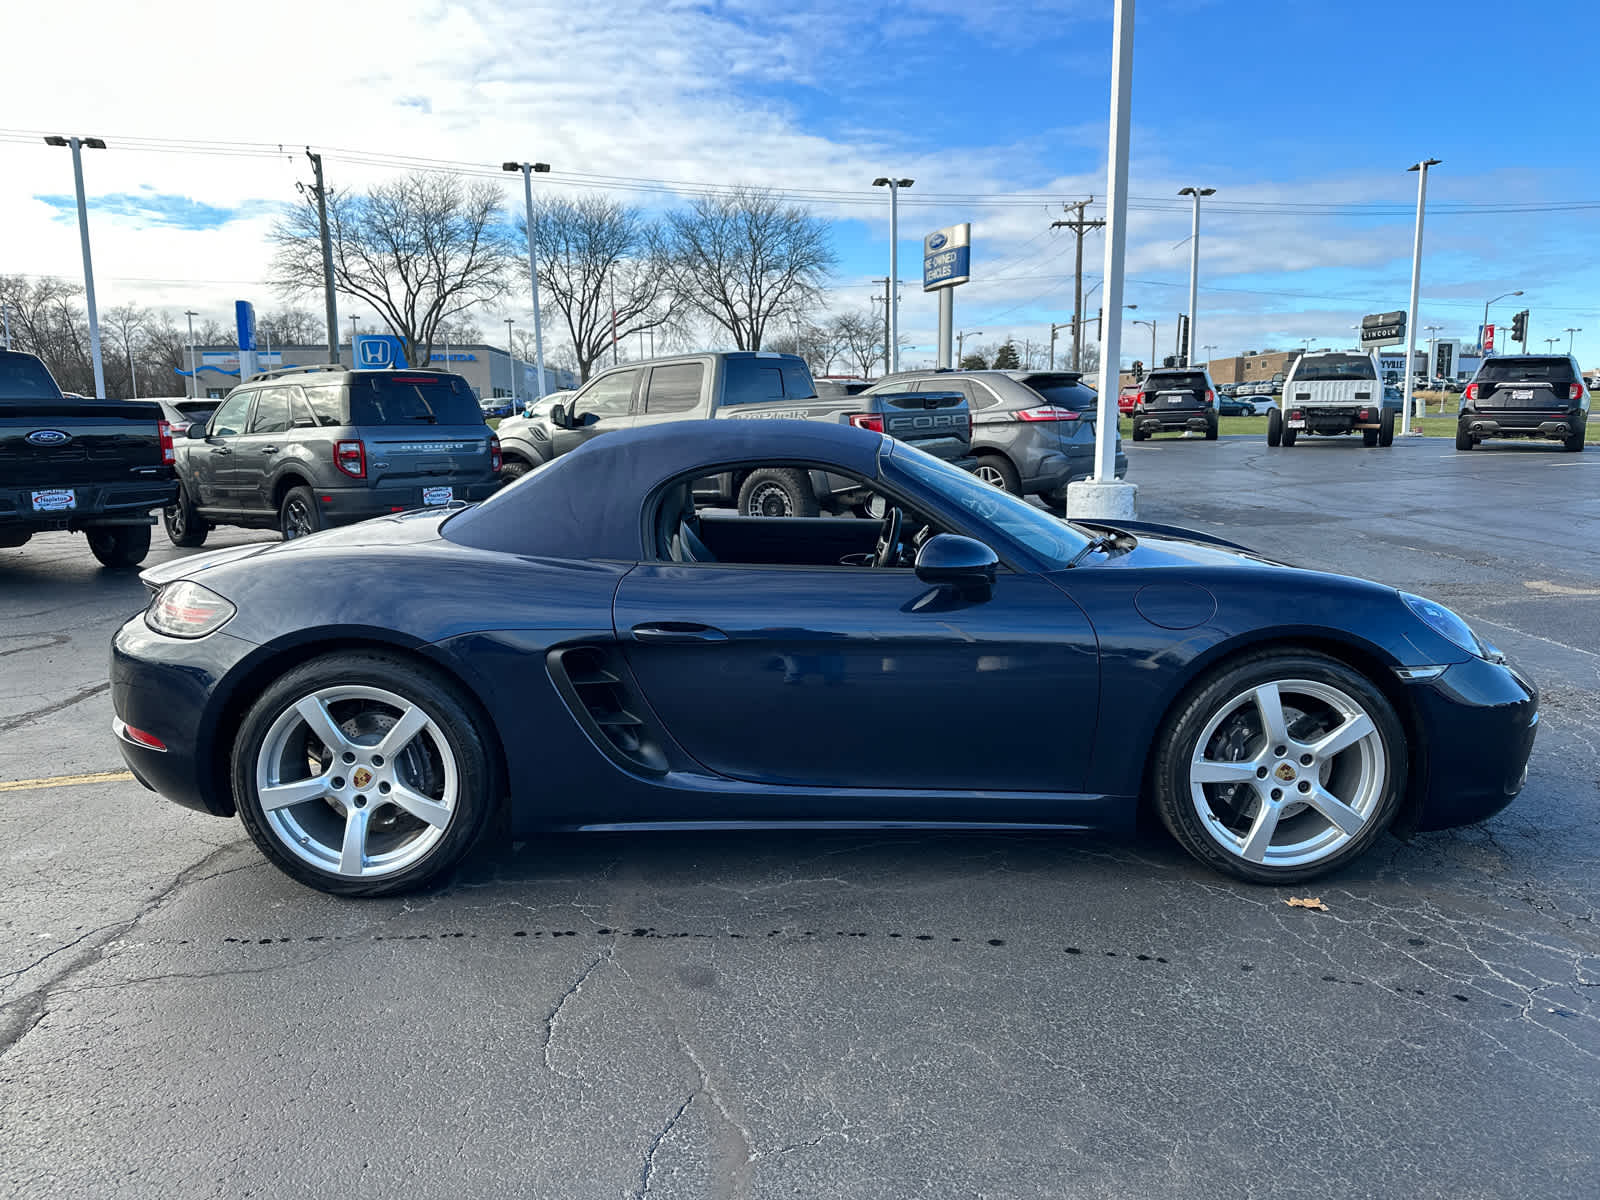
(403, 529)
(1174, 546)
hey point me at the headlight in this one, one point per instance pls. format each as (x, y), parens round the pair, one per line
(187, 610)
(1445, 623)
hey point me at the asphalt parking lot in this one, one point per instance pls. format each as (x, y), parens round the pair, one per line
(830, 1014)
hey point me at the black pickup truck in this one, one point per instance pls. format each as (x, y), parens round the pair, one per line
(99, 467)
(741, 385)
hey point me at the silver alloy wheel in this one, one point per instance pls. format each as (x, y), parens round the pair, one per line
(990, 475)
(296, 520)
(770, 500)
(1288, 773)
(357, 781)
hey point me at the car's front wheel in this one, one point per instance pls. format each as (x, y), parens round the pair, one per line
(362, 774)
(1280, 767)
(184, 526)
(120, 545)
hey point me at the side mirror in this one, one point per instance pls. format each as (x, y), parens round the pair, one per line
(197, 431)
(962, 562)
(558, 416)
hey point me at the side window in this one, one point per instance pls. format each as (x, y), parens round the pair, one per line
(674, 388)
(609, 396)
(272, 411)
(300, 414)
(230, 418)
(978, 395)
(326, 402)
(751, 381)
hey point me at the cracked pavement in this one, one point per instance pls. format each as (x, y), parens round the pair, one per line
(834, 1014)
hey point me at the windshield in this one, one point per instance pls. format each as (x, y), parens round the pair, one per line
(1526, 370)
(1157, 381)
(1052, 540)
(421, 399)
(1335, 366)
(23, 377)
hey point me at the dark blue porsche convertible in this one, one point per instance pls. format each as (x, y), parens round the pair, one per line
(590, 649)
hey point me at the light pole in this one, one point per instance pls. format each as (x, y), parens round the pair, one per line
(1482, 329)
(961, 341)
(1152, 325)
(1569, 331)
(1432, 331)
(511, 355)
(1194, 265)
(1421, 169)
(194, 373)
(77, 144)
(353, 320)
(1551, 342)
(527, 170)
(894, 186)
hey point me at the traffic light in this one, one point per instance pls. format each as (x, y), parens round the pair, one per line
(1138, 370)
(1182, 357)
(1519, 327)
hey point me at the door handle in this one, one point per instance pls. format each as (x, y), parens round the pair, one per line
(677, 631)
(269, 449)
(221, 450)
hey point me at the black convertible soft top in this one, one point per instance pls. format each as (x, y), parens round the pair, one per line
(587, 504)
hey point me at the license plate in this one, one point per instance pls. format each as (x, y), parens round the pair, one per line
(1175, 398)
(438, 495)
(55, 500)
(1519, 395)
(1297, 424)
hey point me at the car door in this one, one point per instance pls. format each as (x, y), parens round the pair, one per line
(856, 677)
(256, 451)
(609, 397)
(208, 463)
(671, 392)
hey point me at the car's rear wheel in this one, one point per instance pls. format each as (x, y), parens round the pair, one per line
(1574, 442)
(1274, 427)
(513, 469)
(1139, 434)
(997, 471)
(778, 492)
(1369, 438)
(1289, 436)
(184, 526)
(298, 515)
(362, 774)
(1386, 428)
(119, 545)
(1280, 767)
(1464, 440)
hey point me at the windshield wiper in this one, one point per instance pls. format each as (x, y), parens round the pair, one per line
(1100, 541)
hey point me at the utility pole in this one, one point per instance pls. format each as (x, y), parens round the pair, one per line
(321, 193)
(888, 324)
(511, 358)
(194, 373)
(527, 170)
(1080, 226)
(1055, 326)
(612, 281)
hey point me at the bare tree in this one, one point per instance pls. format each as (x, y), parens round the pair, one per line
(293, 327)
(420, 250)
(819, 345)
(595, 254)
(860, 339)
(124, 328)
(746, 260)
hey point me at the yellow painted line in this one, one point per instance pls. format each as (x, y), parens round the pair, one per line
(28, 785)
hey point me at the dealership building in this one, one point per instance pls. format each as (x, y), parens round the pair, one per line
(490, 370)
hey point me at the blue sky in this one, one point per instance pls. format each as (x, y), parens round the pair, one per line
(1302, 115)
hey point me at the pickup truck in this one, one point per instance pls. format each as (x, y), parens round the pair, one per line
(1332, 392)
(97, 467)
(740, 385)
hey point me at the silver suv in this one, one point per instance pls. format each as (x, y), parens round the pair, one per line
(1032, 431)
(304, 448)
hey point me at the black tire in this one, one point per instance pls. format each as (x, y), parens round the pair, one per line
(1274, 427)
(1211, 430)
(513, 469)
(298, 514)
(1290, 436)
(452, 713)
(996, 469)
(1369, 438)
(1464, 440)
(184, 526)
(1216, 694)
(778, 492)
(1139, 434)
(1573, 443)
(119, 545)
(1386, 428)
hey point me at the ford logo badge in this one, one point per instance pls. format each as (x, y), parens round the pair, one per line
(936, 241)
(49, 437)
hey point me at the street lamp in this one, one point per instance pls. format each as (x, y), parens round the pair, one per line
(961, 341)
(353, 329)
(527, 170)
(94, 143)
(1551, 342)
(1152, 325)
(894, 186)
(1482, 329)
(1569, 331)
(511, 355)
(194, 373)
(1421, 169)
(1433, 335)
(1194, 262)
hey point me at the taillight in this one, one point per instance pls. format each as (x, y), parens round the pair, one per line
(494, 453)
(351, 458)
(1364, 415)
(1047, 412)
(872, 421)
(1211, 397)
(1297, 415)
(169, 453)
(1141, 397)
(1575, 392)
(1471, 392)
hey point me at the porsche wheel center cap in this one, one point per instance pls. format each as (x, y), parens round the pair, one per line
(1285, 772)
(363, 777)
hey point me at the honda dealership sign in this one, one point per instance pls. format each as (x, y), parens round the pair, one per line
(947, 257)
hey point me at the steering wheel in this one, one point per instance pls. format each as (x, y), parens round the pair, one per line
(888, 553)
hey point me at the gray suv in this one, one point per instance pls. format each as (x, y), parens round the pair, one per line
(304, 448)
(1032, 431)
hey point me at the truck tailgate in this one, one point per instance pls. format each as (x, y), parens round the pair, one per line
(937, 423)
(68, 443)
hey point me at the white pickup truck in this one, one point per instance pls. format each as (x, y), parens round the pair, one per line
(1332, 392)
